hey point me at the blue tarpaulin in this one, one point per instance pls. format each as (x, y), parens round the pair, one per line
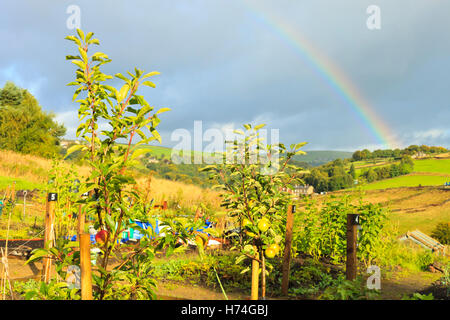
(135, 234)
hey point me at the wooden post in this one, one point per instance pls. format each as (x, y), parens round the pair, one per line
(255, 278)
(287, 250)
(85, 262)
(81, 220)
(263, 275)
(352, 223)
(24, 204)
(49, 232)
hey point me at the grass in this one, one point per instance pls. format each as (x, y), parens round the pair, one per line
(412, 208)
(421, 166)
(26, 228)
(427, 172)
(21, 184)
(433, 165)
(30, 172)
(411, 180)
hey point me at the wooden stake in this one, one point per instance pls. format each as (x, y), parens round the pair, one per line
(287, 250)
(352, 223)
(81, 220)
(85, 262)
(24, 204)
(255, 277)
(263, 276)
(49, 232)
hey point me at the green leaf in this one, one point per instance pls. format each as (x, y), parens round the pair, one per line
(162, 110)
(79, 64)
(138, 153)
(94, 41)
(157, 136)
(37, 254)
(299, 145)
(74, 39)
(150, 74)
(110, 223)
(80, 34)
(123, 92)
(149, 84)
(70, 57)
(99, 55)
(74, 148)
(121, 76)
(89, 36)
(83, 54)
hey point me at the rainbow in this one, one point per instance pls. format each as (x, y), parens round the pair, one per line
(330, 72)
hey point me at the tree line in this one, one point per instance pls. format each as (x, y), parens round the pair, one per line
(397, 154)
(335, 176)
(405, 166)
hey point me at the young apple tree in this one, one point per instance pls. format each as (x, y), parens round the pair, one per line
(109, 115)
(255, 178)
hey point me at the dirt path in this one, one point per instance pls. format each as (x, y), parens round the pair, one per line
(393, 288)
(168, 290)
(400, 284)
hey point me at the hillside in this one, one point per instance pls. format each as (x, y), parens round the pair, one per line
(313, 157)
(413, 207)
(31, 172)
(427, 172)
(317, 158)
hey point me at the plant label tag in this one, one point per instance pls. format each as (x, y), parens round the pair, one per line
(52, 196)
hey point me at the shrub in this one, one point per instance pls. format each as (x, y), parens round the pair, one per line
(442, 232)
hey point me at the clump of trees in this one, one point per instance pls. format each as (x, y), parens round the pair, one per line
(442, 233)
(335, 176)
(405, 166)
(365, 154)
(24, 126)
(330, 177)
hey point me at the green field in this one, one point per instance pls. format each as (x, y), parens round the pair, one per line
(433, 165)
(427, 172)
(21, 184)
(407, 181)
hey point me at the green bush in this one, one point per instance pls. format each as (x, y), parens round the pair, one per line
(442, 232)
(342, 289)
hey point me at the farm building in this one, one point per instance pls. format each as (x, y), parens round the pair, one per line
(300, 190)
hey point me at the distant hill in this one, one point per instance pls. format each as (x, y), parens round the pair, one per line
(312, 158)
(317, 158)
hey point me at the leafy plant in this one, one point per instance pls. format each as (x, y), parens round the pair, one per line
(442, 233)
(128, 115)
(254, 184)
(63, 180)
(342, 289)
(322, 230)
(418, 296)
(39, 290)
(64, 253)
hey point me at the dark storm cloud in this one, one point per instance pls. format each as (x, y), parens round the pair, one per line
(220, 64)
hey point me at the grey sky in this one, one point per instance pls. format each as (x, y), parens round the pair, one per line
(223, 65)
